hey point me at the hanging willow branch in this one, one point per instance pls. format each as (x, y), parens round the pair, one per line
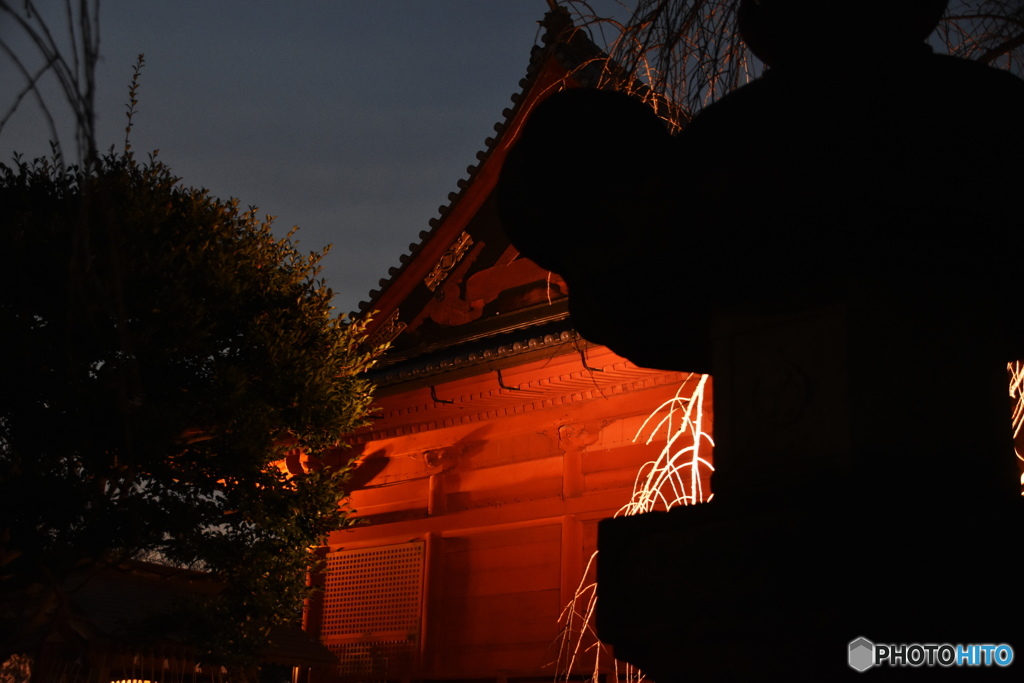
(690, 53)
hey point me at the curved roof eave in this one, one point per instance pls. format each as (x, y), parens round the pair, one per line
(564, 57)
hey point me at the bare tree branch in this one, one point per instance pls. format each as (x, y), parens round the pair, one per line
(689, 52)
(74, 67)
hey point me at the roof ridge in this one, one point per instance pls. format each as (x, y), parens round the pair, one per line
(559, 29)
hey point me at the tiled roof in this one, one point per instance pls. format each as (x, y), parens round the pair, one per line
(487, 351)
(559, 31)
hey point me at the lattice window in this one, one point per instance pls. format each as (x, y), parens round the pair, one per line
(373, 602)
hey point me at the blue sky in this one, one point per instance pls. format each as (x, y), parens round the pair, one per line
(353, 120)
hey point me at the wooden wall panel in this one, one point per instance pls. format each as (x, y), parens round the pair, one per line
(404, 496)
(523, 445)
(622, 431)
(468, 488)
(616, 469)
(513, 633)
(506, 618)
(502, 562)
(496, 604)
(520, 473)
(628, 457)
(539, 489)
(509, 508)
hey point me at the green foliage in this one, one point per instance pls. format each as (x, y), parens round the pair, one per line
(162, 350)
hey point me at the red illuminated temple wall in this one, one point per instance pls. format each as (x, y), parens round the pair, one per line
(481, 517)
(500, 439)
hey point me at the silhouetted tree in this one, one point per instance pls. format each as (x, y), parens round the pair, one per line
(162, 351)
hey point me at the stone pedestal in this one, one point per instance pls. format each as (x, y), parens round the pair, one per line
(721, 593)
(864, 487)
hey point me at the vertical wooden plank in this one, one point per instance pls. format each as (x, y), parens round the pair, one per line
(572, 556)
(429, 550)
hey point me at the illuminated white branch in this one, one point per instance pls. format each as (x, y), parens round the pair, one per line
(1016, 372)
(673, 478)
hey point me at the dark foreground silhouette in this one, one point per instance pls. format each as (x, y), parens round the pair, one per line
(838, 243)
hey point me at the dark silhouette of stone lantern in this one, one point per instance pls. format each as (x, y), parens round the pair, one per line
(838, 244)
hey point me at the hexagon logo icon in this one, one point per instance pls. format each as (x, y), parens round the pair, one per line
(862, 654)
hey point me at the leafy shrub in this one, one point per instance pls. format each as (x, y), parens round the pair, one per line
(162, 350)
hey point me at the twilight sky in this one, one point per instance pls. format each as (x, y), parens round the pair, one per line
(353, 120)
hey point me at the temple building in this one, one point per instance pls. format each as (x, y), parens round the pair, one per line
(499, 438)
